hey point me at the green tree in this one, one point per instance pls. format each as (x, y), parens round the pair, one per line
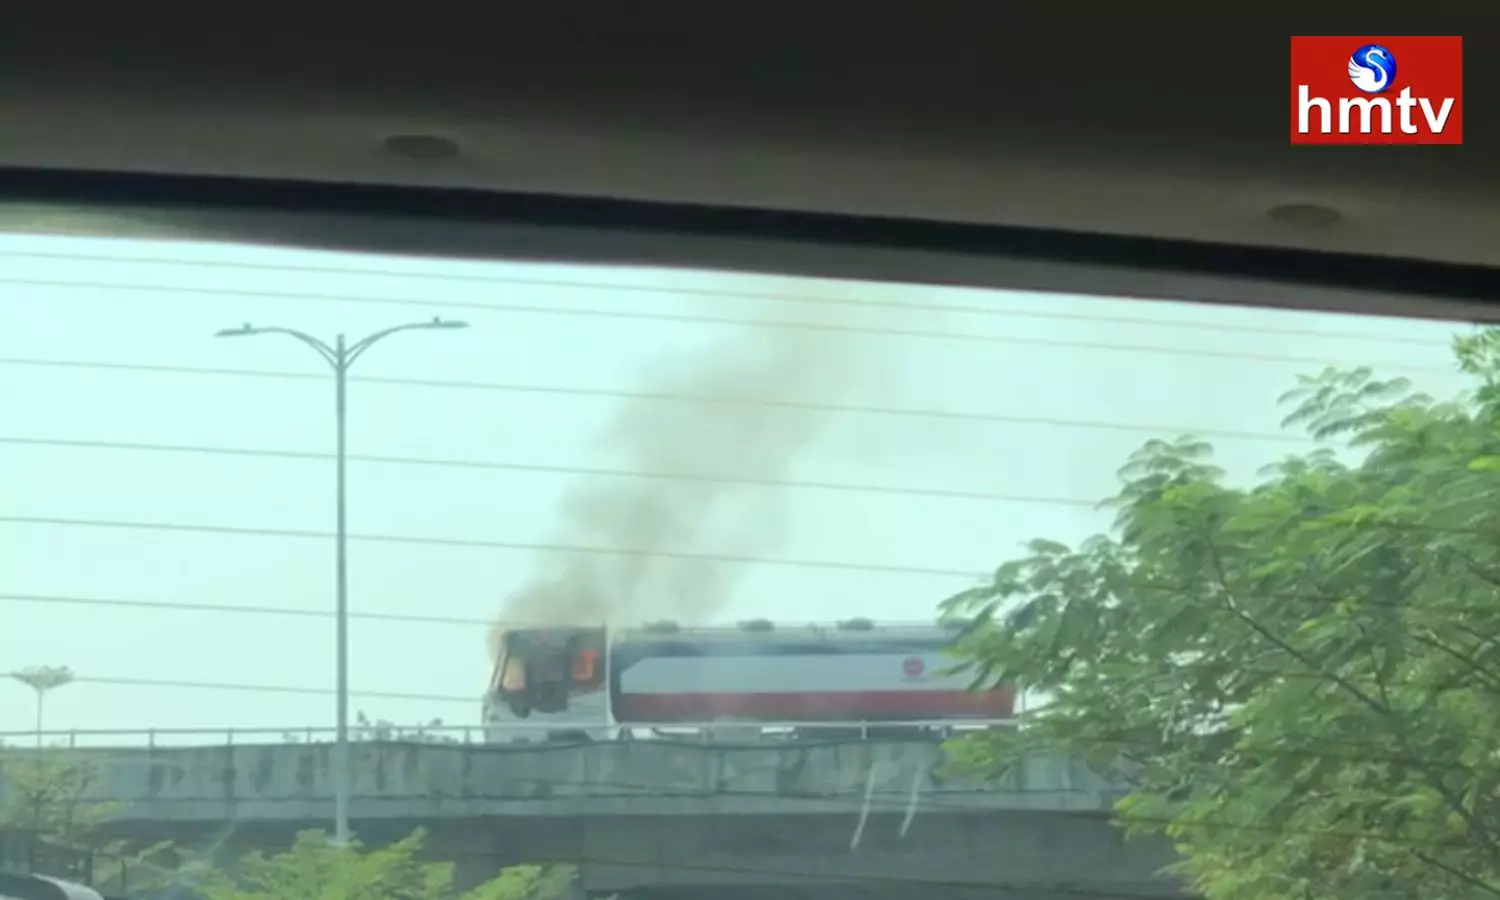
(47, 815)
(386, 731)
(1300, 678)
(315, 869)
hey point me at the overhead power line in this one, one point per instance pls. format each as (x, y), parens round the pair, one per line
(750, 323)
(419, 618)
(175, 683)
(541, 468)
(239, 531)
(240, 609)
(664, 397)
(616, 288)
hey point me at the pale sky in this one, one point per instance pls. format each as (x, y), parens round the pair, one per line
(1051, 392)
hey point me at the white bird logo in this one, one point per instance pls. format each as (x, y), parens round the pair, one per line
(1368, 75)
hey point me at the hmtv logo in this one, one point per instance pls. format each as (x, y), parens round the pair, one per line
(1377, 90)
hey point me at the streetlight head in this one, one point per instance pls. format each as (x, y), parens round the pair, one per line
(243, 331)
(440, 322)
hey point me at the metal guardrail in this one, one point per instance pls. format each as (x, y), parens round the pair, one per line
(475, 734)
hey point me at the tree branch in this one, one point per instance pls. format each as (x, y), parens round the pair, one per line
(1475, 569)
(1384, 711)
(1375, 666)
(1461, 875)
(1491, 681)
(1233, 606)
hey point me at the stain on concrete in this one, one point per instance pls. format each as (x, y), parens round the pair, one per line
(657, 770)
(261, 770)
(377, 769)
(679, 768)
(411, 763)
(161, 776)
(789, 769)
(305, 771)
(466, 775)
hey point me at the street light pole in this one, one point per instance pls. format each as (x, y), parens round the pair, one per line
(340, 357)
(42, 679)
(343, 778)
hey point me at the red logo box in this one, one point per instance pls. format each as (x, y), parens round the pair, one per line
(1422, 104)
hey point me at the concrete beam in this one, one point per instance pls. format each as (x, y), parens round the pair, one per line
(654, 815)
(292, 782)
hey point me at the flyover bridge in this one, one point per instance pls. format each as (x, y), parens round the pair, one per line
(659, 817)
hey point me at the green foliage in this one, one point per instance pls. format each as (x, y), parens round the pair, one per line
(1301, 678)
(45, 793)
(315, 869)
(45, 803)
(384, 731)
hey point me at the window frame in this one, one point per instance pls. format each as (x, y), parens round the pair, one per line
(474, 225)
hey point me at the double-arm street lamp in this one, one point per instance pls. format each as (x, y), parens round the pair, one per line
(340, 356)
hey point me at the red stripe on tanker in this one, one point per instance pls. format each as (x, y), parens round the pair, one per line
(780, 679)
(813, 706)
